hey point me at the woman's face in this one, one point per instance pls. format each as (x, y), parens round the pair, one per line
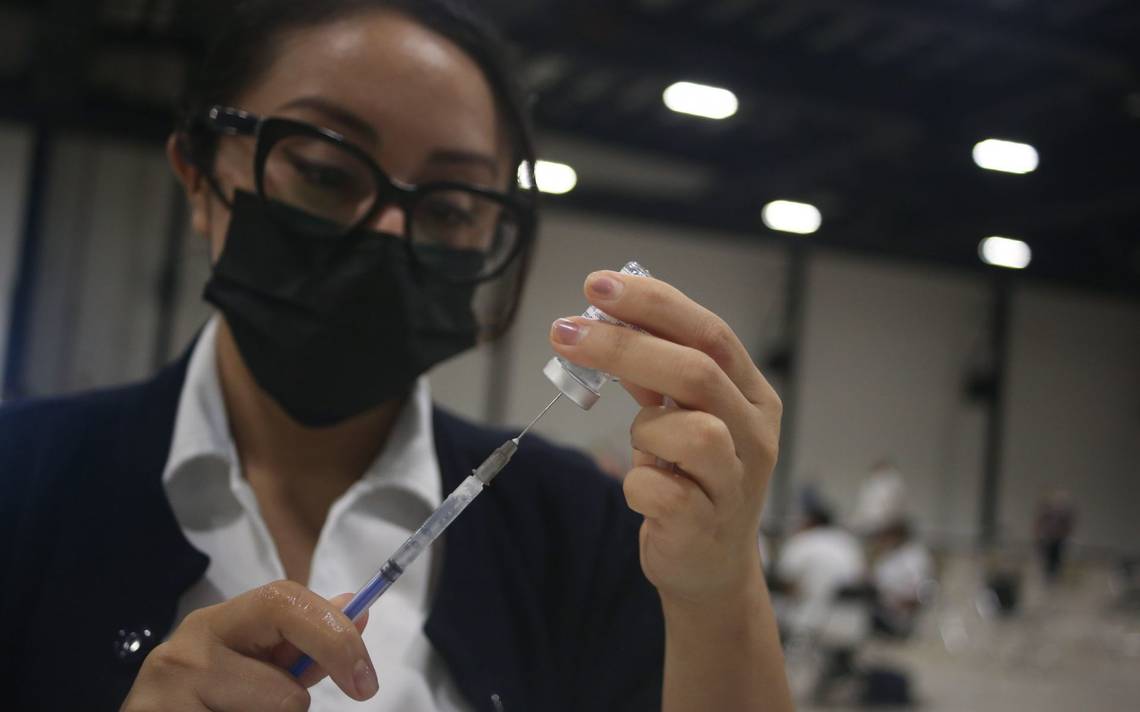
(413, 100)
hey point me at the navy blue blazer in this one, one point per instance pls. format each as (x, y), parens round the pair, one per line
(540, 601)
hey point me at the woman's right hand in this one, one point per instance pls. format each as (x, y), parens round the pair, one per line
(235, 655)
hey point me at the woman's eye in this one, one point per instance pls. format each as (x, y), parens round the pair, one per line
(320, 174)
(447, 214)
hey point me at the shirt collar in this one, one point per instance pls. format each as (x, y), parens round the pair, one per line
(201, 427)
(201, 431)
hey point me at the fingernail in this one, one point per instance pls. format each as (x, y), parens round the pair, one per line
(605, 287)
(365, 679)
(567, 332)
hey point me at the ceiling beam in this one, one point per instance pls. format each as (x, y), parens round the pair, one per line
(737, 60)
(1018, 33)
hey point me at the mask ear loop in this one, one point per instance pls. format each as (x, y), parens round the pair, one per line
(190, 156)
(217, 188)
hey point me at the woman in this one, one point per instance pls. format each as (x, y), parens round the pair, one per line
(352, 164)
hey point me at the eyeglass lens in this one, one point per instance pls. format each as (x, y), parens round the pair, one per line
(327, 181)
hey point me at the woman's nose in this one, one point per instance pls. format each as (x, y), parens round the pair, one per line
(390, 219)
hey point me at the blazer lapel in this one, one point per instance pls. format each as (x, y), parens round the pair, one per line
(479, 620)
(123, 540)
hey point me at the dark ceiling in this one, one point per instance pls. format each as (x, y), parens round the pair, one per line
(866, 108)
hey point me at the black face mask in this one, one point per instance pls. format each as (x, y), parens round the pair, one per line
(330, 327)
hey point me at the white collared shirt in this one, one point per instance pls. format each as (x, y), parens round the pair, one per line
(818, 562)
(219, 515)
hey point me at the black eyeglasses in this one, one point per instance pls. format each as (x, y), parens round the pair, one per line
(305, 170)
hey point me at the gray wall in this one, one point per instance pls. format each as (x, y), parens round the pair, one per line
(886, 345)
(1074, 413)
(95, 304)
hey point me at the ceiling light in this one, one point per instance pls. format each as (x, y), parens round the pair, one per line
(790, 216)
(1005, 252)
(552, 177)
(1006, 156)
(700, 100)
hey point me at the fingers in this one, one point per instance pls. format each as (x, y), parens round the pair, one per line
(688, 376)
(664, 495)
(194, 678)
(251, 685)
(258, 621)
(685, 374)
(699, 443)
(233, 656)
(642, 396)
(665, 311)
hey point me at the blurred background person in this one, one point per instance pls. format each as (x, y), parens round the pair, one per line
(901, 565)
(902, 572)
(821, 574)
(1056, 518)
(881, 498)
(815, 563)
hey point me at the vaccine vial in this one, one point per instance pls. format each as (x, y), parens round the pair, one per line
(584, 385)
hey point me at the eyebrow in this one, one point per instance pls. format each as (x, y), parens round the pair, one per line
(337, 113)
(353, 122)
(456, 156)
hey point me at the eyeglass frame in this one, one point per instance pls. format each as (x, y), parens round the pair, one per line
(267, 131)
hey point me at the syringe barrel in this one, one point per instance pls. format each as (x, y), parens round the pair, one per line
(408, 552)
(439, 520)
(578, 383)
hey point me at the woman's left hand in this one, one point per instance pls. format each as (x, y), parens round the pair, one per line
(699, 538)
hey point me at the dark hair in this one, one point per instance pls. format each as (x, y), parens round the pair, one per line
(243, 51)
(899, 528)
(816, 510)
(819, 518)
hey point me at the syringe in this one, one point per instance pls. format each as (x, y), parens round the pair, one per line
(578, 383)
(430, 530)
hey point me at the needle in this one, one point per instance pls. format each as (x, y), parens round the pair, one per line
(524, 431)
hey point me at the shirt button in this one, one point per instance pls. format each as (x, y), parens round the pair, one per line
(132, 644)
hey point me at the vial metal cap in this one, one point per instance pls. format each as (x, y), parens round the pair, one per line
(570, 386)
